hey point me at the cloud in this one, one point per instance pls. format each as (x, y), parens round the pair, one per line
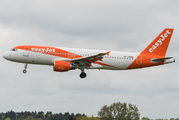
(109, 25)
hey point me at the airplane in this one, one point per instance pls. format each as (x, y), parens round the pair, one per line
(64, 59)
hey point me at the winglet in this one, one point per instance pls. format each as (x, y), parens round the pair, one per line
(108, 53)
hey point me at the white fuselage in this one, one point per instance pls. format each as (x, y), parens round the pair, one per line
(120, 60)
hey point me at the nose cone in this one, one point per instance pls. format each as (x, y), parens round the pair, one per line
(6, 55)
(9, 56)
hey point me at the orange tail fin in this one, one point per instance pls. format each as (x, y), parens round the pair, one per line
(160, 44)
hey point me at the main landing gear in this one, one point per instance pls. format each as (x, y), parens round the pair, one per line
(83, 74)
(25, 71)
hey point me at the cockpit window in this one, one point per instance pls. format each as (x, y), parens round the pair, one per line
(13, 49)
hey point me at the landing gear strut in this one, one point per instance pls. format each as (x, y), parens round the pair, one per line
(24, 71)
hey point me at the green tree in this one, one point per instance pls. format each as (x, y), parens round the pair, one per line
(174, 119)
(87, 118)
(119, 111)
(31, 118)
(40, 114)
(26, 114)
(11, 114)
(145, 118)
(66, 115)
(8, 118)
(2, 116)
(48, 114)
(56, 117)
(71, 117)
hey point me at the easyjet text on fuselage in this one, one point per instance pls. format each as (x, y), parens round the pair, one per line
(42, 50)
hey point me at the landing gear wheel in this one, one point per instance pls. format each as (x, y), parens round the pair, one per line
(83, 75)
(25, 66)
(24, 71)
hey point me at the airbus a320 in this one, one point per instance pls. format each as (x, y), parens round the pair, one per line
(64, 59)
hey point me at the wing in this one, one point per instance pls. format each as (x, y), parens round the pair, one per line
(90, 59)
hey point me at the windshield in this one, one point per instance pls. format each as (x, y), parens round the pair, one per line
(13, 49)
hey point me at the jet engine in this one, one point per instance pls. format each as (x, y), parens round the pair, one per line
(63, 66)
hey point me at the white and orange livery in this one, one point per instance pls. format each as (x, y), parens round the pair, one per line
(64, 59)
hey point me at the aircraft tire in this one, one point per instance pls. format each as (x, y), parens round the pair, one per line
(83, 75)
(24, 71)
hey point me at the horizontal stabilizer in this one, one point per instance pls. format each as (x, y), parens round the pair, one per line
(166, 60)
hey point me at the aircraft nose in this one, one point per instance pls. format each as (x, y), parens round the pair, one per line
(5, 55)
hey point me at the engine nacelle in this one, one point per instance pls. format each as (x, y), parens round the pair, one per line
(63, 66)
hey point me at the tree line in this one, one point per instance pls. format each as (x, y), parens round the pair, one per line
(115, 111)
(11, 115)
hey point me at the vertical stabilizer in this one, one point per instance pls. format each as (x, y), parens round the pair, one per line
(154, 53)
(160, 44)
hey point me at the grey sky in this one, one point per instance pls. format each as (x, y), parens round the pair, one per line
(128, 25)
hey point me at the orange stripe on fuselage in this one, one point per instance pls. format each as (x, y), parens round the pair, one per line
(49, 51)
(105, 64)
(54, 51)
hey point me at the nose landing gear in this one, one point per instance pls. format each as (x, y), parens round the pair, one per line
(25, 71)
